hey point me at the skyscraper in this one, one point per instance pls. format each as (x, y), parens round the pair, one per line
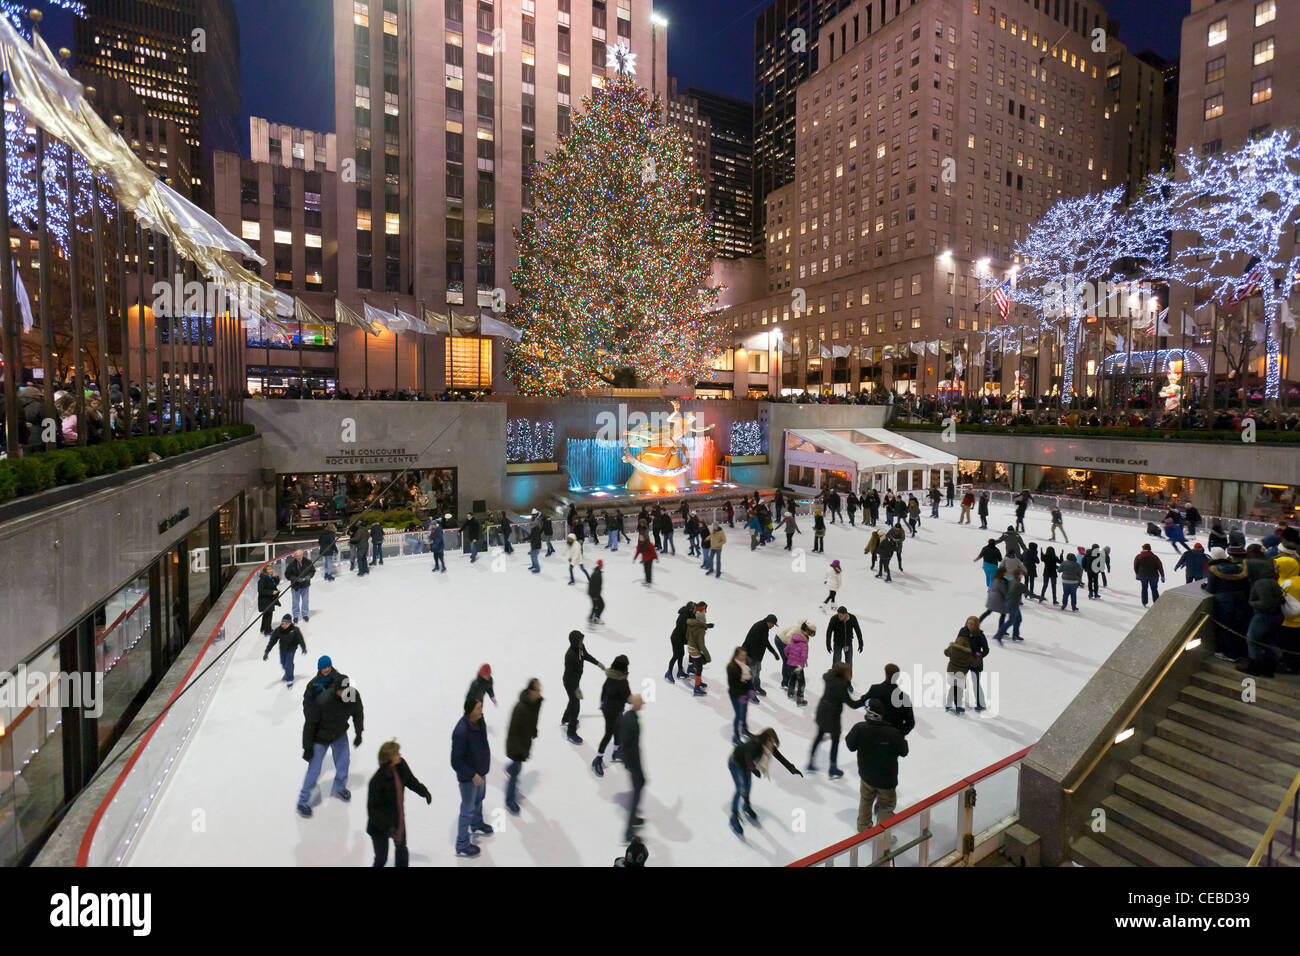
(181, 57)
(785, 53)
(731, 171)
(442, 108)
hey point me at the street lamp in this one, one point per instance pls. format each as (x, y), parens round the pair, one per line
(982, 266)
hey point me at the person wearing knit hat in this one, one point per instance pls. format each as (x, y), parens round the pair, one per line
(1195, 561)
(290, 640)
(482, 685)
(833, 578)
(326, 676)
(1218, 554)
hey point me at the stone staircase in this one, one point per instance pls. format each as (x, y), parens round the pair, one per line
(1205, 787)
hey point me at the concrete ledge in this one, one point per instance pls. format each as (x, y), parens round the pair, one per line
(1099, 712)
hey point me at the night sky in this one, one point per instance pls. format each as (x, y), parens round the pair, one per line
(286, 49)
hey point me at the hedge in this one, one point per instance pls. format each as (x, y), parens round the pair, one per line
(41, 470)
(1262, 435)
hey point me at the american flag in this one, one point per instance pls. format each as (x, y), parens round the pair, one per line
(1157, 325)
(1002, 296)
(1254, 275)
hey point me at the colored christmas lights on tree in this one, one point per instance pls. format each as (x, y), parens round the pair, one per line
(615, 257)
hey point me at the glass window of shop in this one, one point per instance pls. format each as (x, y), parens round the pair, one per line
(31, 753)
(123, 666)
(985, 474)
(310, 502)
(279, 381)
(1144, 490)
(174, 603)
(228, 531)
(198, 560)
(1260, 502)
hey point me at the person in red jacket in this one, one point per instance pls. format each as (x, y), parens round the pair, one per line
(1149, 570)
(648, 555)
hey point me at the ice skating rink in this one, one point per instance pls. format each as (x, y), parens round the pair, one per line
(412, 641)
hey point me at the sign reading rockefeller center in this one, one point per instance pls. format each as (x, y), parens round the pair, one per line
(370, 458)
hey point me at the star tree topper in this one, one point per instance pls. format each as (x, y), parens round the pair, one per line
(621, 58)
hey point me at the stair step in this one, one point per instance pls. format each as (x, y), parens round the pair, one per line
(1165, 833)
(1286, 684)
(1253, 715)
(1226, 803)
(1265, 696)
(1248, 761)
(1214, 772)
(1136, 848)
(1233, 731)
(1088, 852)
(1217, 828)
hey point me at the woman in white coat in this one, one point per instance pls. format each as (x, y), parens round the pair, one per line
(575, 557)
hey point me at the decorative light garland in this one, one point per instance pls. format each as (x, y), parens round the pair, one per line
(527, 440)
(747, 438)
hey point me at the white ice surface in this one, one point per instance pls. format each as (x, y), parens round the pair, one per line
(412, 641)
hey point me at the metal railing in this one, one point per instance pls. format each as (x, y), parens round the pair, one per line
(1264, 850)
(1119, 510)
(958, 826)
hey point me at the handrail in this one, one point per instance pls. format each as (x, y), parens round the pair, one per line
(1266, 844)
(858, 839)
(1190, 641)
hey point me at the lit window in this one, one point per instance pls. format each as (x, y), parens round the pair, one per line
(1218, 32)
(1265, 12)
(1263, 51)
(312, 240)
(1261, 90)
(360, 13)
(363, 219)
(251, 229)
(1214, 106)
(284, 236)
(1214, 69)
(392, 223)
(469, 361)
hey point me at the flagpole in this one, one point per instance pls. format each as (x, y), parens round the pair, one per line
(365, 337)
(43, 253)
(424, 354)
(101, 316)
(74, 293)
(478, 347)
(13, 342)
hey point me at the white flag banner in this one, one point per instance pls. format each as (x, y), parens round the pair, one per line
(387, 320)
(1286, 316)
(499, 329)
(933, 347)
(414, 324)
(841, 351)
(958, 365)
(1257, 332)
(918, 348)
(869, 353)
(24, 303)
(437, 323)
(464, 324)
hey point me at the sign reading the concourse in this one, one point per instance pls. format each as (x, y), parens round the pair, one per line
(348, 458)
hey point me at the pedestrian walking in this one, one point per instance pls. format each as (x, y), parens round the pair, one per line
(385, 806)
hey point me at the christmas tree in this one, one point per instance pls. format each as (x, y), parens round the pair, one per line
(614, 258)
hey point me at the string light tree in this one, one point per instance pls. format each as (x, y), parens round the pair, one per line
(1242, 206)
(615, 257)
(1062, 259)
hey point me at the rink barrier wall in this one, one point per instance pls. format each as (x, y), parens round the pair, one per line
(973, 837)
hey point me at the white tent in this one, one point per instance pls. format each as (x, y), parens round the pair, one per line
(862, 458)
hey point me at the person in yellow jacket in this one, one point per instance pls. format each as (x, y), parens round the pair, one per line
(715, 539)
(1288, 578)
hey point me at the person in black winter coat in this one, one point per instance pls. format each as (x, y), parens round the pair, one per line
(629, 732)
(979, 648)
(290, 640)
(749, 759)
(573, 661)
(614, 694)
(481, 686)
(519, 738)
(385, 808)
(1051, 561)
(299, 569)
(841, 632)
(534, 546)
(896, 706)
(596, 581)
(678, 640)
(1229, 586)
(834, 698)
(470, 534)
(328, 549)
(376, 544)
(268, 587)
(756, 644)
(326, 729)
(982, 509)
(878, 746)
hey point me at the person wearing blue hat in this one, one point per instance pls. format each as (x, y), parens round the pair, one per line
(326, 677)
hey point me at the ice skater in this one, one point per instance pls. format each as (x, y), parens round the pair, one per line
(614, 694)
(819, 531)
(376, 544)
(841, 632)
(713, 554)
(832, 581)
(574, 658)
(326, 729)
(519, 738)
(1051, 561)
(629, 732)
(471, 757)
(696, 649)
(756, 644)
(678, 641)
(796, 659)
(299, 570)
(878, 746)
(594, 585)
(438, 546)
(750, 759)
(740, 682)
(1058, 525)
(326, 549)
(835, 696)
(268, 597)
(482, 685)
(290, 640)
(575, 557)
(385, 808)
(645, 551)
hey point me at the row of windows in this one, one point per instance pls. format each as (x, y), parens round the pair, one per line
(1217, 32)
(1261, 91)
